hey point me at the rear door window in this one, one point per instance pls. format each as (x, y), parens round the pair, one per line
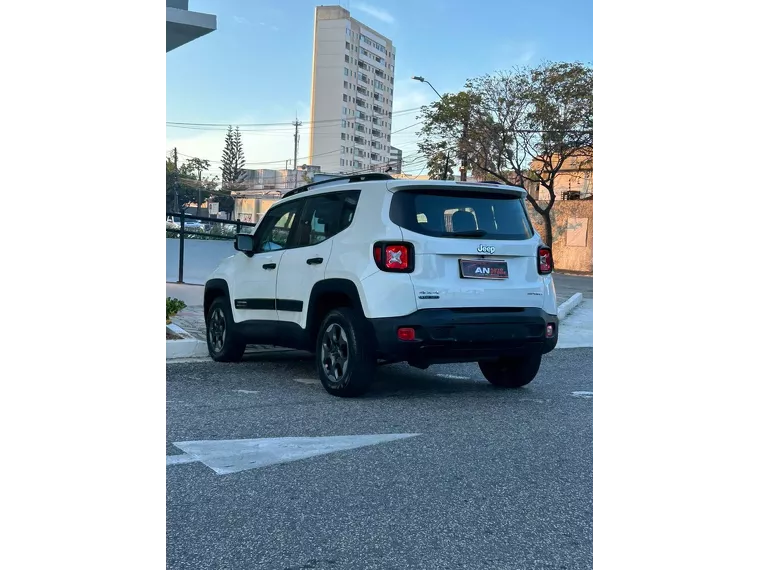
(461, 214)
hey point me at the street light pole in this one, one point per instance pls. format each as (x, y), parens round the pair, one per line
(447, 152)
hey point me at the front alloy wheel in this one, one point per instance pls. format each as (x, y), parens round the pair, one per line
(217, 330)
(223, 344)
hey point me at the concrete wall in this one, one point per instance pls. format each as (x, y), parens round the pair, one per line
(572, 224)
(201, 257)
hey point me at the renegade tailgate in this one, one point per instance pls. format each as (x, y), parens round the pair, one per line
(473, 245)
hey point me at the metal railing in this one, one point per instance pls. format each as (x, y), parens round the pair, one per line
(214, 231)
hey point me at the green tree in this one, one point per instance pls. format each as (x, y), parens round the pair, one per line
(440, 163)
(519, 127)
(197, 165)
(179, 187)
(232, 158)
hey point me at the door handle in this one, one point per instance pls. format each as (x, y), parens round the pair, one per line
(269, 265)
(315, 260)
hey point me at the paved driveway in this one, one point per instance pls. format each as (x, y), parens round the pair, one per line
(494, 479)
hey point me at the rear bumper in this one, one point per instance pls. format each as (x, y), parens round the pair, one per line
(465, 335)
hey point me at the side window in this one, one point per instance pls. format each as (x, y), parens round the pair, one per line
(276, 226)
(327, 215)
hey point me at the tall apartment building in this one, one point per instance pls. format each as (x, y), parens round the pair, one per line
(396, 159)
(351, 94)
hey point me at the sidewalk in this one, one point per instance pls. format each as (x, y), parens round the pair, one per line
(568, 285)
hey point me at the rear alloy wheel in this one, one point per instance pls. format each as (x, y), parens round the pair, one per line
(345, 359)
(223, 344)
(512, 371)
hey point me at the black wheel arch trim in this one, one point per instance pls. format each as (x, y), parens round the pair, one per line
(212, 288)
(334, 285)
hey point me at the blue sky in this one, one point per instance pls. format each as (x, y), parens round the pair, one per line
(256, 67)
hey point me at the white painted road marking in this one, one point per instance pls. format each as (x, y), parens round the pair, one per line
(247, 391)
(453, 376)
(581, 394)
(234, 455)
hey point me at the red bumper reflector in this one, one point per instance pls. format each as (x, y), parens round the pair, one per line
(406, 333)
(549, 330)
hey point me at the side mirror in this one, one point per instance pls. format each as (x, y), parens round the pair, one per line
(245, 244)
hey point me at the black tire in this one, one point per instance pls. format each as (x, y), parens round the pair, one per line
(223, 344)
(345, 356)
(511, 372)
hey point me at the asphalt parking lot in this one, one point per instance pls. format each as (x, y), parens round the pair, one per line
(469, 476)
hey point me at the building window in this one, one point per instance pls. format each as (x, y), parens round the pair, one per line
(347, 59)
(342, 162)
(345, 70)
(347, 45)
(345, 85)
(342, 136)
(345, 97)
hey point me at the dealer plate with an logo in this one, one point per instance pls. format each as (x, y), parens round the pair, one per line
(483, 269)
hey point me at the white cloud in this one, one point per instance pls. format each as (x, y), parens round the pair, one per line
(241, 20)
(516, 53)
(374, 12)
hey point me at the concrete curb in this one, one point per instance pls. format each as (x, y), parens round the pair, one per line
(187, 347)
(569, 305)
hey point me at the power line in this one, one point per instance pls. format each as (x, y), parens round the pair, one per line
(226, 125)
(297, 159)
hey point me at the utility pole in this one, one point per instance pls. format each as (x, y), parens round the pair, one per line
(445, 172)
(176, 180)
(297, 124)
(464, 157)
(200, 189)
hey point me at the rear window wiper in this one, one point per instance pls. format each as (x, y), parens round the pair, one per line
(469, 233)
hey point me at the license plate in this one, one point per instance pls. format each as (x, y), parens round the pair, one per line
(483, 269)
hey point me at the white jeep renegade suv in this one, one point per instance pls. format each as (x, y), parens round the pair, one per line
(361, 269)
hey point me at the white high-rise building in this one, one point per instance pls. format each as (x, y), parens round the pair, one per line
(351, 94)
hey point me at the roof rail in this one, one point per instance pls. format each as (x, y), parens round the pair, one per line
(348, 178)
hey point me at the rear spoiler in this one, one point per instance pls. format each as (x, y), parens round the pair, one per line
(443, 185)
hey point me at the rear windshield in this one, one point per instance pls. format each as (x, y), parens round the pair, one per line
(461, 214)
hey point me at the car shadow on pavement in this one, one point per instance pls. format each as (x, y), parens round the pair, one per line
(393, 380)
(404, 381)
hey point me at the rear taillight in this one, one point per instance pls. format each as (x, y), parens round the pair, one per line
(545, 261)
(397, 257)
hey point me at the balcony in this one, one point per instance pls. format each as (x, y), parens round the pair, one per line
(364, 78)
(376, 133)
(184, 26)
(378, 109)
(362, 90)
(359, 140)
(360, 102)
(360, 128)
